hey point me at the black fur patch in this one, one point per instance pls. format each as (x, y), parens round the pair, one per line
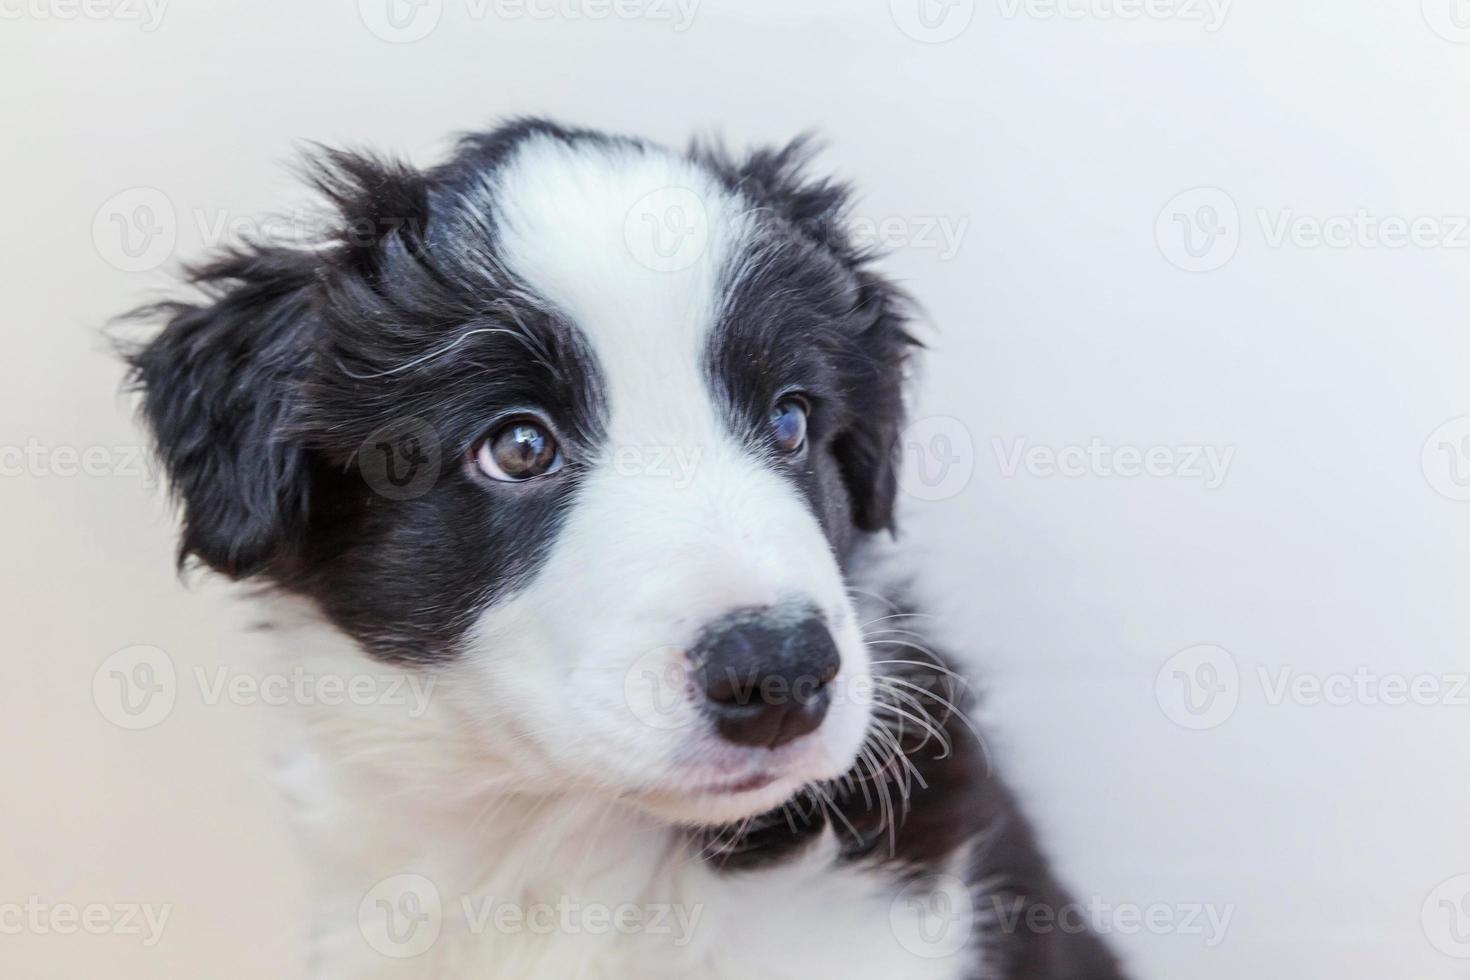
(283, 399)
(808, 313)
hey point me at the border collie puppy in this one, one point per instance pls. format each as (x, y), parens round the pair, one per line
(594, 442)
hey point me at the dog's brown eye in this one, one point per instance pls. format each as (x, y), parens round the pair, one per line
(788, 423)
(520, 450)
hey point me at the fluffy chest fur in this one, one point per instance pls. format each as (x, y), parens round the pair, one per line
(430, 865)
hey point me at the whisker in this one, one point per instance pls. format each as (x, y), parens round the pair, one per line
(936, 734)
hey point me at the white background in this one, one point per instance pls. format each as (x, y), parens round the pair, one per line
(1058, 145)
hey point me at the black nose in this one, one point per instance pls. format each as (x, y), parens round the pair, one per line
(765, 673)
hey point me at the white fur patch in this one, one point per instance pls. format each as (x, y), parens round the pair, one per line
(674, 526)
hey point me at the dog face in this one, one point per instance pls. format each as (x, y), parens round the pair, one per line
(583, 425)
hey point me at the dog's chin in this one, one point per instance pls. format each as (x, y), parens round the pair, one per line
(710, 808)
(701, 797)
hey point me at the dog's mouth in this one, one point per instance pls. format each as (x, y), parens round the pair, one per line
(720, 787)
(746, 784)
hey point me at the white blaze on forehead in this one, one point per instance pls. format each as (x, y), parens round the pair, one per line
(630, 243)
(680, 524)
(634, 245)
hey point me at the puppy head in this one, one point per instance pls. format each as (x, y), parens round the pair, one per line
(583, 425)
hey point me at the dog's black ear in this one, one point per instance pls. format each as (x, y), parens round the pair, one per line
(818, 208)
(219, 385)
(224, 382)
(868, 450)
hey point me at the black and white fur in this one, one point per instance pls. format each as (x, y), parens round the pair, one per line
(502, 282)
